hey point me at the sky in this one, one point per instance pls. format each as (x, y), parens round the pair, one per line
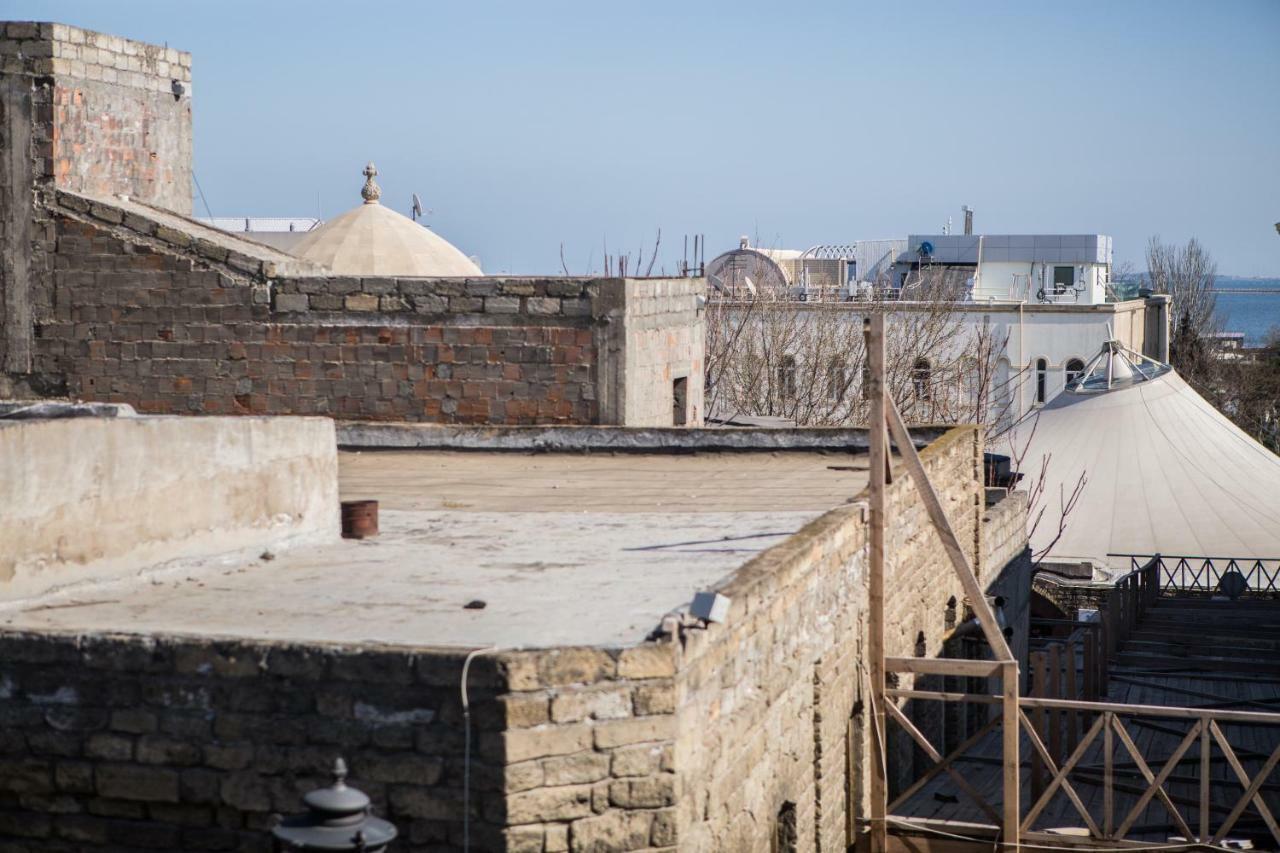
(528, 126)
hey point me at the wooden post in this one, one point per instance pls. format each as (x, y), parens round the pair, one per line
(1039, 676)
(1108, 776)
(1073, 716)
(873, 330)
(1012, 808)
(1091, 665)
(1054, 691)
(1204, 780)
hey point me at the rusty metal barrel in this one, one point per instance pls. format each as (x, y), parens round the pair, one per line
(359, 519)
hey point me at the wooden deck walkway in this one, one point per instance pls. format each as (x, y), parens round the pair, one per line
(1191, 653)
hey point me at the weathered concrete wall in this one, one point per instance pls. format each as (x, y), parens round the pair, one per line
(93, 498)
(172, 319)
(664, 343)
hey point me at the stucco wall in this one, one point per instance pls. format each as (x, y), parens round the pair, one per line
(93, 498)
(664, 343)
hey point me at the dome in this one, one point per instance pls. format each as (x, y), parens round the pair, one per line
(372, 240)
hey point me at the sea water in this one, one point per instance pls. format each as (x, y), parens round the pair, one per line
(1255, 314)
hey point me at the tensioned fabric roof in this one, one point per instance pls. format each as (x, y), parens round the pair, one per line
(1166, 473)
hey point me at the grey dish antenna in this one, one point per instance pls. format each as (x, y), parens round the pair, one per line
(415, 210)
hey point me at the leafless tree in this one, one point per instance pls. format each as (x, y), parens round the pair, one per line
(1187, 274)
(770, 354)
(1035, 483)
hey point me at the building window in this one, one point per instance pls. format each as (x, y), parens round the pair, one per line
(787, 377)
(1042, 378)
(837, 380)
(786, 830)
(1064, 279)
(1075, 367)
(921, 380)
(680, 401)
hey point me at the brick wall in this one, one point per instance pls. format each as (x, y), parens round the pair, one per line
(107, 119)
(170, 317)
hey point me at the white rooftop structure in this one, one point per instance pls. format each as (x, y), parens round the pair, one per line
(373, 240)
(1167, 473)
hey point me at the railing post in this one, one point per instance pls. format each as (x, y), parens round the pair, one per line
(1091, 665)
(1108, 776)
(1073, 716)
(1204, 779)
(1054, 691)
(1039, 676)
(1012, 760)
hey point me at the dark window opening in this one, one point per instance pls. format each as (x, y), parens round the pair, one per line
(836, 380)
(921, 379)
(680, 401)
(787, 377)
(1064, 279)
(786, 833)
(1042, 374)
(1075, 367)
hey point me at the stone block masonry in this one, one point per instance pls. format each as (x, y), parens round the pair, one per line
(161, 313)
(697, 740)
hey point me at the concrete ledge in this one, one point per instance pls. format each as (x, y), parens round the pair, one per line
(91, 499)
(575, 439)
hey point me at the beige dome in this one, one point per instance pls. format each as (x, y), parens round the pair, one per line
(372, 240)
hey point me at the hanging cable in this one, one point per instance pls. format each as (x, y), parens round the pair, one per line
(200, 190)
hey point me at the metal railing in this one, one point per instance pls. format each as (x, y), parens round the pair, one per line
(1205, 575)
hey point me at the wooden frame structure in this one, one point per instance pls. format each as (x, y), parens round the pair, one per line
(1068, 729)
(886, 420)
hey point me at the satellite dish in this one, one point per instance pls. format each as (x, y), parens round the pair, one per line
(751, 288)
(926, 248)
(416, 210)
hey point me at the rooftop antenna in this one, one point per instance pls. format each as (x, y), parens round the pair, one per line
(415, 210)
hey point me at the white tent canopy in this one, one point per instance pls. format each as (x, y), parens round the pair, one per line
(1166, 473)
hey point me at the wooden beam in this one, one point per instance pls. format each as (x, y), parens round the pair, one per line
(961, 782)
(944, 666)
(873, 330)
(1012, 784)
(956, 753)
(1061, 775)
(1251, 792)
(1150, 777)
(1160, 779)
(959, 562)
(1067, 787)
(936, 695)
(1166, 711)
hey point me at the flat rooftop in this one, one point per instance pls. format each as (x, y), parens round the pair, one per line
(563, 549)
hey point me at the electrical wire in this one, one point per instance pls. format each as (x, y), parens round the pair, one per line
(200, 190)
(466, 747)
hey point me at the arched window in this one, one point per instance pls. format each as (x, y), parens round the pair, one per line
(1074, 368)
(836, 379)
(787, 377)
(1042, 379)
(921, 379)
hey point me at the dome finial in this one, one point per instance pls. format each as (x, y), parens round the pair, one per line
(371, 192)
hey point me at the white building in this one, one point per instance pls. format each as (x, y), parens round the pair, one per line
(1047, 300)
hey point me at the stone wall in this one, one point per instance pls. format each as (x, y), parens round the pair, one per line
(664, 346)
(694, 740)
(171, 317)
(113, 115)
(770, 704)
(95, 498)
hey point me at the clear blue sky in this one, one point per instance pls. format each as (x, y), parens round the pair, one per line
(527, 124)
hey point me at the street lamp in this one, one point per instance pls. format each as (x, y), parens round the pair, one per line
(339, 819)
